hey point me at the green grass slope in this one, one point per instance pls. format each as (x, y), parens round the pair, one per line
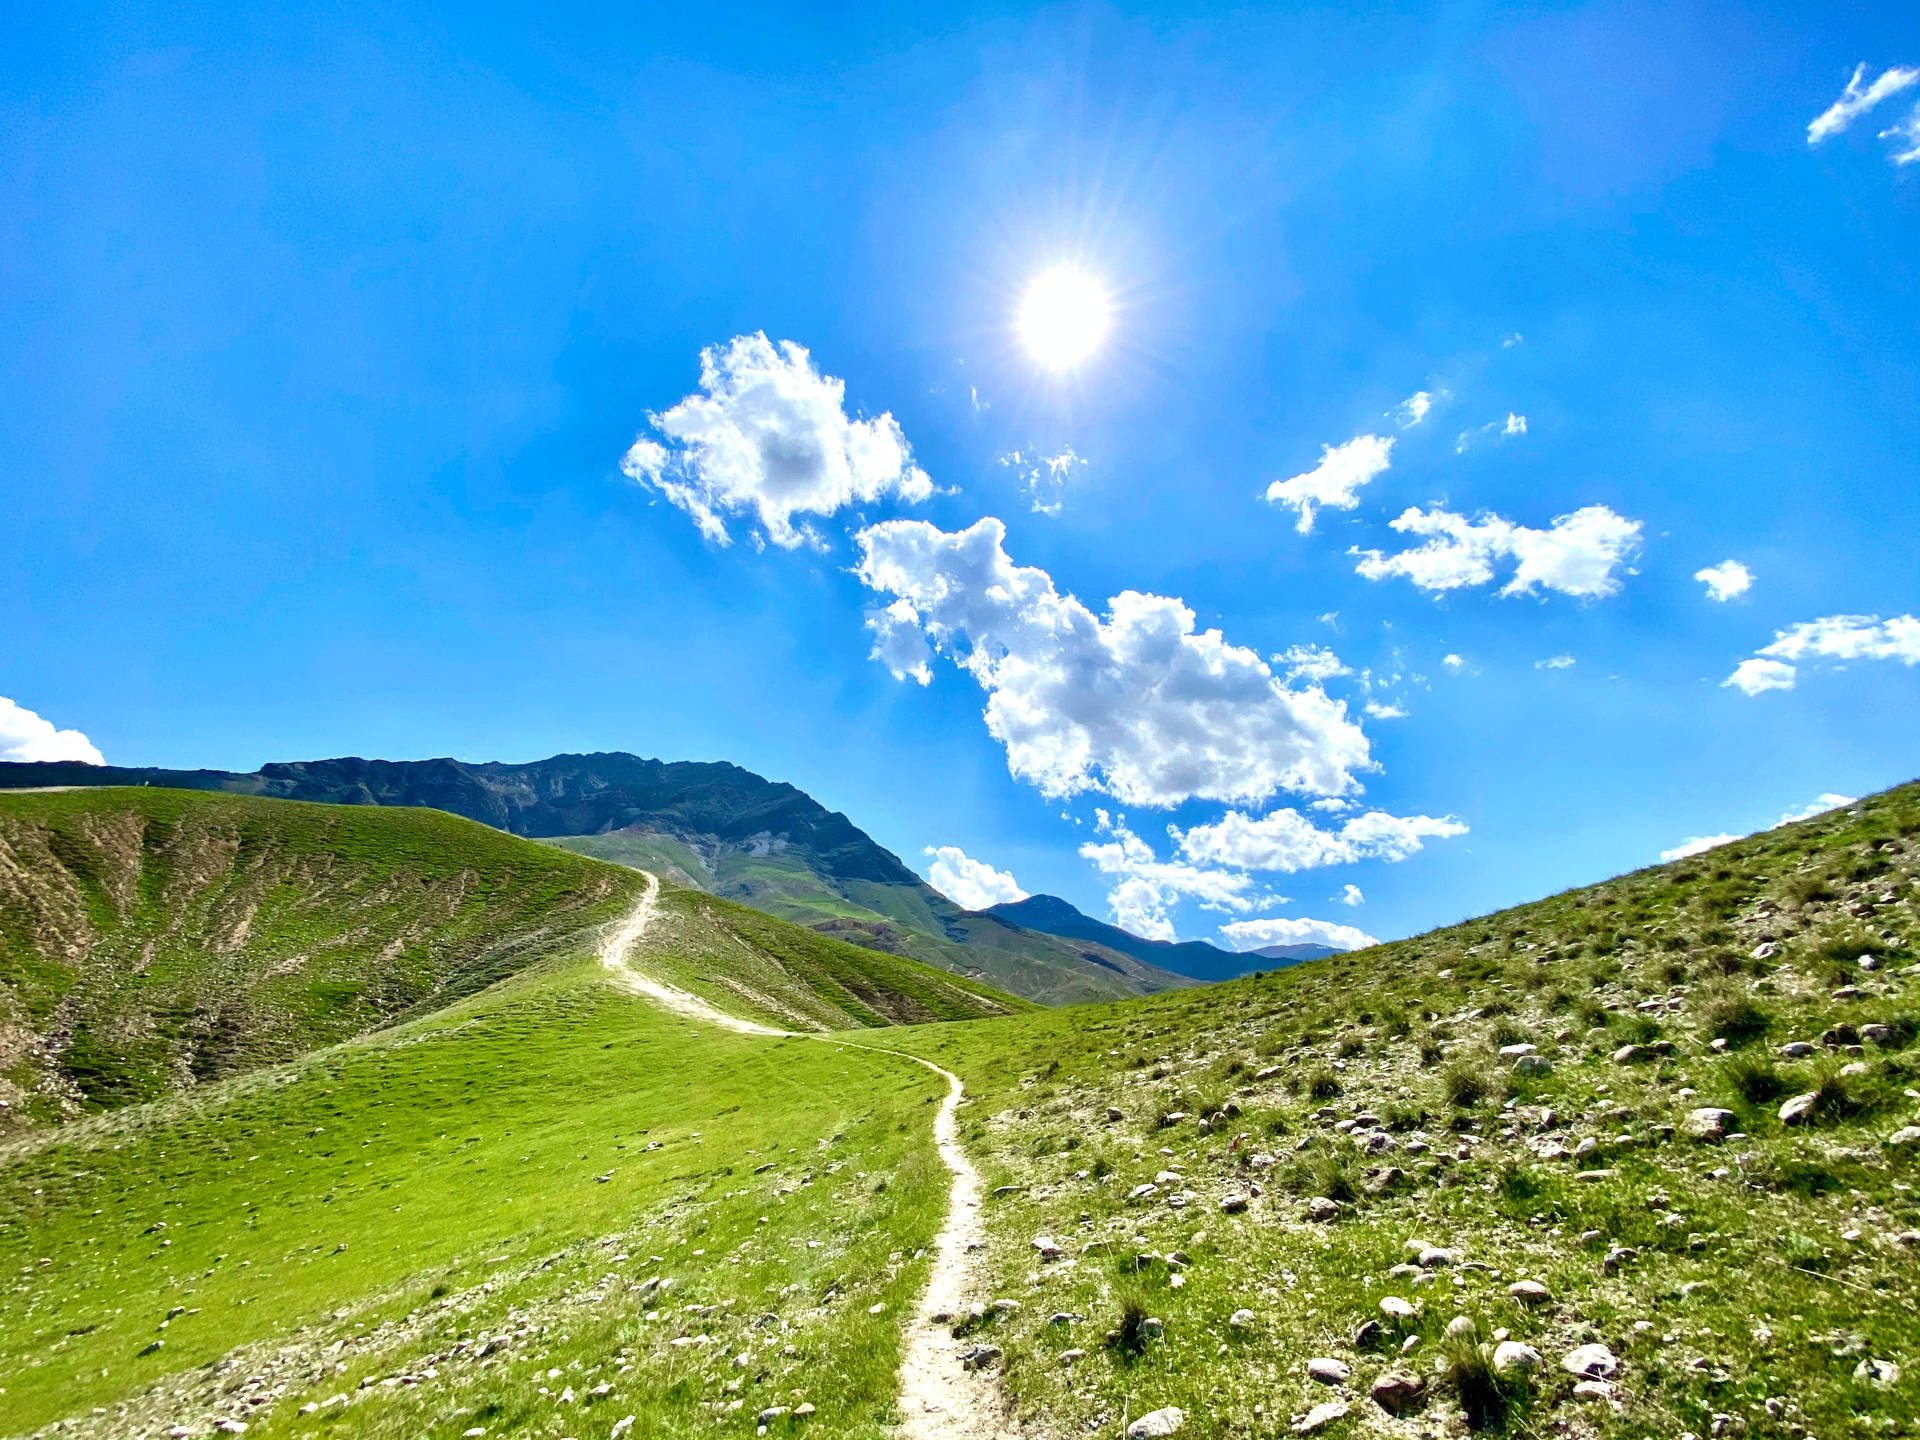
(152, 939)
(542, 1210)
(1706, 1165)
(913, 920)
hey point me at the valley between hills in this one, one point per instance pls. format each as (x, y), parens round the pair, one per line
(371, 1119)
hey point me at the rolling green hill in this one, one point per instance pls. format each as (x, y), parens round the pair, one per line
(712, 826)
(157, 939)
(1663, 1132)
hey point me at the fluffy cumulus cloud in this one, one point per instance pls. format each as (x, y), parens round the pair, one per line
(1146, 888)
(1857, 99)
(1834, 638)
(1582, 554)
(1700, 844)
(769, 436)
(971, 884)
(1135, 703)
(1351, 896)
(25, 736)
(1725, 580)
(1257, 934)
(1335, 482)
(1287, 841)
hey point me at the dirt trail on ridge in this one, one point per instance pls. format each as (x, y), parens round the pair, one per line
(939, 1398)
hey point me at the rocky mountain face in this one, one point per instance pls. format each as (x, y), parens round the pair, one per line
(711, 825)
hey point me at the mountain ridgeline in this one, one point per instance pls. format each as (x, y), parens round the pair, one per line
(716, 827)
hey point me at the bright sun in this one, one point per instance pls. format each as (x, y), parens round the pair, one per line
(1064, 316)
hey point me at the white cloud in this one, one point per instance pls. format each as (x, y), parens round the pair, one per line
(1148, 887)
(971, 884)
(25, 736)
(1516, 338)
(1335, 482)
(1831, 800)
(1516, 424)
(1415, 408)
(1452, 662)
(1725, 580)
(1313, 663)
(1856, 100)
(1697, 845)
(1256, 934)
(1555, 662)
(1136, 703)
(1907, 133)
(1351, 896)
(769, 435)
(1287, 841)
(1756, 677)
(1044, 477)
(1833, 637)
(1385, 710)
(1578, 554)
(899, 643)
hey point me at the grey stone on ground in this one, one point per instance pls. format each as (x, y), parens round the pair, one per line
(1595, 1362)
(1709, 1123)
(1398, 1391)
(1157, 1424)
(1511, 1357)
(1799, 1109)
(1396, 1308)
(1881, 1374)
(1321, 1208)
(1320, 1416)
(1529, 1292)
(1328, 1371)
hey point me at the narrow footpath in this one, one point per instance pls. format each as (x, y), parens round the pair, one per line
(939, 1398)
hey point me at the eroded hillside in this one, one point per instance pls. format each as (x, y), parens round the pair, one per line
(152, 939)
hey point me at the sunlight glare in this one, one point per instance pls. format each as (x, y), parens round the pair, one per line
(1064, 316)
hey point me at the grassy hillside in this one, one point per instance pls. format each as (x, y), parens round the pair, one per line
(152, 939)
(1705, 1164)
(899, 918)
(542, 1210)
(785, 975)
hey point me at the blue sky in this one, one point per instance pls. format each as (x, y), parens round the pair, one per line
(324, 339)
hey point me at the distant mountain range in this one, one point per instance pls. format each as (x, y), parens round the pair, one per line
(719, 828)
(1195, 959)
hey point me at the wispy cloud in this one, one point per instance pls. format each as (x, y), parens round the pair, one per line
(1044, 477)
(1857, 99)
(1335, 482)
(1416, 407)
(1554, 662)
(1582, 554)
(1700, 844)
(1833, 638)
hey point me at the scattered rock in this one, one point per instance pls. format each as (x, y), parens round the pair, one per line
(1049, 1248)
(1320, 1416)
(1880, 1374)
(1115, 1113)
(1321, 1208)
(1529, 1292)
(1395, 1308)
(1511, 1357)
(1329, 1371)
(1368, 1335)
(1434, 1257)
(1067, 1357)
(1594, 1362)
(1462, 1327)
(1799, 1109)
(1906, 1136)
(770, 1414)
(1241, 1319)
(980, 1357)
(1514, 1052)
(1629, 1054)
(1235, 1203)
(1708, 1123)
(1398, 1391)
(1533, 1065)
(1156, 1424)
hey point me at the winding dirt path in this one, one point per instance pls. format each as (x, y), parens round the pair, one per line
(939, 1398)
